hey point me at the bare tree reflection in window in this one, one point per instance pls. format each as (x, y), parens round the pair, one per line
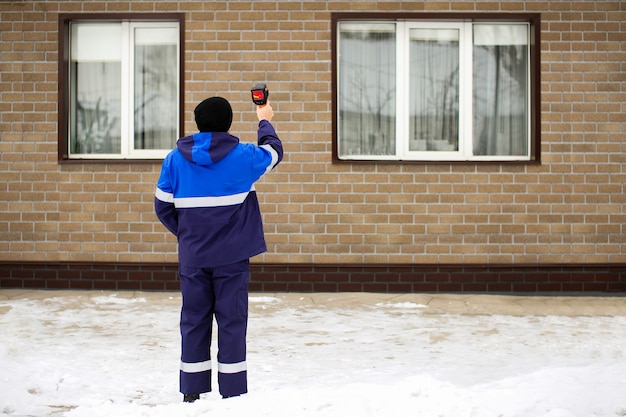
(500, 90)
(367, 91)
(156, 83)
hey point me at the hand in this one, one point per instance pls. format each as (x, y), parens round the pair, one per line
(265, 112)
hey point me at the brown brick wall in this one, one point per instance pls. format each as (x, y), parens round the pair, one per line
(568, 209)
(396, 278)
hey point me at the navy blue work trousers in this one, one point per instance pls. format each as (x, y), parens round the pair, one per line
(220, 292)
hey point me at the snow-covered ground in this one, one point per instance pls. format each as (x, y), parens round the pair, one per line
(106, 354)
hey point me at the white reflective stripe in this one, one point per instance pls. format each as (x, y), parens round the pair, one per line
(163, 196)
(232, 368)
(195, 367)
(194, 202)
(274, 154)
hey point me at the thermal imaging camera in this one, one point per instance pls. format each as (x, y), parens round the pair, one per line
(260, 93)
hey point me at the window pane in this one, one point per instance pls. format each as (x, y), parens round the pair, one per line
(156, 88)
(434, 90)
(367, 89)
(500, 95)
(95, 80)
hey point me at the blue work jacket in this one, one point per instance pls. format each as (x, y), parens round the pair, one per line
(206, 197)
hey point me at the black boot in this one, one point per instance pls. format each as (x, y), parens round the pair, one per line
(189, 398)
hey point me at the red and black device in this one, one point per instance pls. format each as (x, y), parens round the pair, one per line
(260, 93)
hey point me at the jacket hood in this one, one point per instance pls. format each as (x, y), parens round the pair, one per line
(206, 148)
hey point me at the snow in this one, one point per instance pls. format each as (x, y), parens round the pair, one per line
(104, 354)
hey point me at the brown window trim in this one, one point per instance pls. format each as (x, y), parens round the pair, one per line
(64, 55)
(534, 19)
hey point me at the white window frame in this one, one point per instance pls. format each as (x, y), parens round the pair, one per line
(465, 152)
(127, 122)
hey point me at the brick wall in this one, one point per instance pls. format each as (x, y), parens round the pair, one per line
(568, 209)
(606, 279)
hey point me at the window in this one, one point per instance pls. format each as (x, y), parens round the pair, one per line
(120, 86)
(435, 88)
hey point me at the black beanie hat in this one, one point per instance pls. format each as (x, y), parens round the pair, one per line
(214, 115)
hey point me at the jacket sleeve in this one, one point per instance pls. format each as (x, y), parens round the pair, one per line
(268, 140)
(164, 200)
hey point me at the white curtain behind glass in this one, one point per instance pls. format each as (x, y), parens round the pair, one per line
(367, 89)
(156, 88)
(500, 90)
(434, 90)
(95, 100)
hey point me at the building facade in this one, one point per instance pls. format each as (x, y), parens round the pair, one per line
(550, 217)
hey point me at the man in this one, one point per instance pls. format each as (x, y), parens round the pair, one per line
(206, 197)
